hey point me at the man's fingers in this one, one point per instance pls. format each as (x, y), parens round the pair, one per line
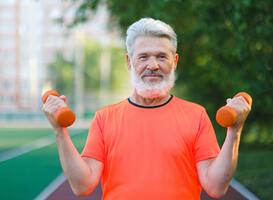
(239, 104)
(63, 98)
(53, 103)
(228, 100)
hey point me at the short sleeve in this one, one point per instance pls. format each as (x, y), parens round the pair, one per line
(206, 145)
(94, 146)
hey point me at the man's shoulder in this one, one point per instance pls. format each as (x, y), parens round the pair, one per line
(186, 104)
(112, 107)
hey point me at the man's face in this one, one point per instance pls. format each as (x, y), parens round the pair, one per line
(153, 54)
(152, 65)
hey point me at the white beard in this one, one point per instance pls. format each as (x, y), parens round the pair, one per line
(152, 90)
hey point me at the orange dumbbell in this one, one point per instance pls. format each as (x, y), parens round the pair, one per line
(63, 116)
(227, 116)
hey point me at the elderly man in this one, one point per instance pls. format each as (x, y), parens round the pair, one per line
(152, 145)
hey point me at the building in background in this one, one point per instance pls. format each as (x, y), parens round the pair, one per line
(29, 40)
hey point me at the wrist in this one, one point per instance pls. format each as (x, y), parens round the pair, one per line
(234, 133)
(59, 132)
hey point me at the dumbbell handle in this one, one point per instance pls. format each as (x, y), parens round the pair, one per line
(227, 116)
(63, 116)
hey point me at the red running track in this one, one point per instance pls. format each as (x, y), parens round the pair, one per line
(63, 192)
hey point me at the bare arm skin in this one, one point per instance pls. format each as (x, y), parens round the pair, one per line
(83, 173)
(216, 174)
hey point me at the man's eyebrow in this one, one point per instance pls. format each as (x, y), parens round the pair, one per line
(156, 53)
(162, 53)
(140, 54)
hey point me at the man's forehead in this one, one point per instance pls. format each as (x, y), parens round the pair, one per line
(146, 44)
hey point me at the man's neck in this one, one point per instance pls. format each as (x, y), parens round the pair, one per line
(149, 101)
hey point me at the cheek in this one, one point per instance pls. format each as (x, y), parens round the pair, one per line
(140, 67)
(167, 67)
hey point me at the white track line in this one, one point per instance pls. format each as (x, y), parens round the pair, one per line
(37, 144)
(51, 187)
(243, 190)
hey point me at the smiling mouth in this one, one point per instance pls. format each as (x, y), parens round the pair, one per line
(152, 78)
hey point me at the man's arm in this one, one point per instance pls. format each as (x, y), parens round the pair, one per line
(83, 174)
(216, 174)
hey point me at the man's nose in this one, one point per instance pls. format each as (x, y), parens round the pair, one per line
(153, 64)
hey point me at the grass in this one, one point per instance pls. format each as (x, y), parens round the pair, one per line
(12, 138)
(24, 177)
(255, 171)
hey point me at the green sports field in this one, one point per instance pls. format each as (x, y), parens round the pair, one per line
(25, 176)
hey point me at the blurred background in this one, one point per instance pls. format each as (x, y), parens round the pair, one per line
(77, 47)
(39, 50)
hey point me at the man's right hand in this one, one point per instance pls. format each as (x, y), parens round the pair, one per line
(52, 104)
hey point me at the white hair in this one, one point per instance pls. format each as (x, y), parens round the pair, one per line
(149, 27)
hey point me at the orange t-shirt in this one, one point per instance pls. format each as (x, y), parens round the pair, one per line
(150, 153)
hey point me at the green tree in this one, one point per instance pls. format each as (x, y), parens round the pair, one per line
(62, 71)
(91, 62)
(225, 47)
(61, 74)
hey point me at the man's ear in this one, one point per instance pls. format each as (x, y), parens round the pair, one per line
(128, 61)
(176, 58)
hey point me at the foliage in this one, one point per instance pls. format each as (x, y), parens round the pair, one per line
(61, 74)
(225, 47)
(91, 62)
(92, 53)
(119, 76)
(62, 70)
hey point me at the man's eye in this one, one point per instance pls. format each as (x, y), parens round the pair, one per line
(143, 57)
(162, 57)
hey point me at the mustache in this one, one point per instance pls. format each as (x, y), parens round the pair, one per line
(152, 72)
